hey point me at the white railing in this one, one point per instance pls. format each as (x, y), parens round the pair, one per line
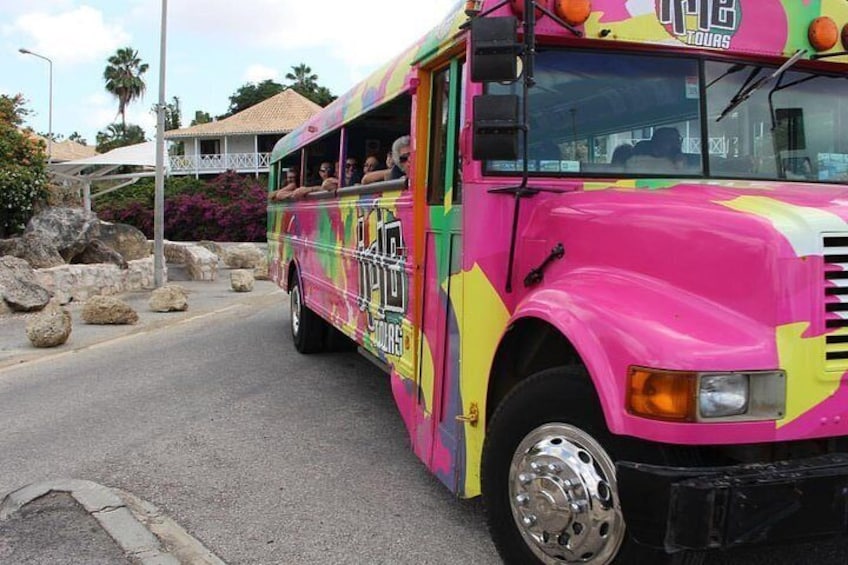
(238, 162)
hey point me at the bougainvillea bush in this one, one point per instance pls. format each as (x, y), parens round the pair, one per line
(227, 208)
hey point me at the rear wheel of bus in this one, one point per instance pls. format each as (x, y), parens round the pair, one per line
(308, 329)
(548, 478)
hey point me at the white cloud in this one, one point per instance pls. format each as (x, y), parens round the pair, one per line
(100, 110)
(360, 34)
(75, 36)
(258, 73)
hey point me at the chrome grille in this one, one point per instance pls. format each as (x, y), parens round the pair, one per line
(835, 252)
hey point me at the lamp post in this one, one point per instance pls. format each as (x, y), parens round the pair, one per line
(159, 187)
(50, 111)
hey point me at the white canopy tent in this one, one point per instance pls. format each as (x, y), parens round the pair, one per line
(100, 168)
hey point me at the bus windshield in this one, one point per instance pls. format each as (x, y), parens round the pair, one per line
(602, 114)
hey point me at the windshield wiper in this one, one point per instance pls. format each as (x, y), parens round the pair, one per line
(747, 89)
(734, 69)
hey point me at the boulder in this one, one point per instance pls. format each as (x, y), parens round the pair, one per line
(19, 288)
(241, 280)
(67, 230)
(49, 328)
(243, 256)
(212, 246)
(169, 298)
(261, 272)
(127, 240)
(39, 252)
(99, 252)
(10, 246)
(108, 310)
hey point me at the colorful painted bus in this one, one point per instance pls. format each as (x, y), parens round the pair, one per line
(612, 290)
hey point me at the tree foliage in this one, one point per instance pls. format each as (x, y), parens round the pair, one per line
(23, 175)
(119, 135)
(252, 93)
(201, 117)
(123, 76)
(173, 114)
(305, 82)
(76, 136)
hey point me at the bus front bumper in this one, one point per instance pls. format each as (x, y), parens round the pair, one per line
(722, 507)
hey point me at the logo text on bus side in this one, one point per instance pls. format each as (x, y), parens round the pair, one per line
(702, 23)
(382, 278)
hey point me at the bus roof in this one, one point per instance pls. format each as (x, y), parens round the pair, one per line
(382, 85)
(776, 28)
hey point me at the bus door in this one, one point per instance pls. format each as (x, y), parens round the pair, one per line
(439, 344)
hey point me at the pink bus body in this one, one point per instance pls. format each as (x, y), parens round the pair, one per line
(717, 269)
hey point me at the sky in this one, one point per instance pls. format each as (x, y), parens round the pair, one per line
(213, 48)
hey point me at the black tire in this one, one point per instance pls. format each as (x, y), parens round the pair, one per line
(309, 330)
(557, 412)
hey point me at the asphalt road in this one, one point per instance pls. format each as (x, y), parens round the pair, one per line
(264, 455)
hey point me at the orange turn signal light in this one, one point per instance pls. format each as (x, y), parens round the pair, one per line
(662, 395)
(573, 12)
(823, 33)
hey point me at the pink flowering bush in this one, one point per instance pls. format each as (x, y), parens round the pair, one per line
(228, 208)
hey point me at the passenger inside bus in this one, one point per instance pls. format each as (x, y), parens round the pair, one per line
(663, 153)
(400, 155)
(352, 174)
(397, 163)
(291, 183)
(326, 181)
(372, 163)
(621, 154)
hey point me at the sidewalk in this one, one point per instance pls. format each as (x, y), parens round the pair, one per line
(204, 298)
(75, 521)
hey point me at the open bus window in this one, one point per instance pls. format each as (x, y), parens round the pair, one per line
(373, 133)
(610, 115)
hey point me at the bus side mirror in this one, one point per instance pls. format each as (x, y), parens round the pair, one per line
(495, 128)
(494, 49)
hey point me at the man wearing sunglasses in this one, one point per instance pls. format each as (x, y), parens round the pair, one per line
(400, 153)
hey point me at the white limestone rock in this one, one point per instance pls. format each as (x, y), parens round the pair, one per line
(106, 310)
(49, 328)
(169, 298)
(243, 256)
(242, 280)
(261, 272)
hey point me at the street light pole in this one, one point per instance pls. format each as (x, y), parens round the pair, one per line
(159, 187)
(50, 103)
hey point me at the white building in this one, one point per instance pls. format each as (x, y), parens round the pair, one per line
(244, 141)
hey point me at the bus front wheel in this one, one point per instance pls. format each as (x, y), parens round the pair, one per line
(548, 477)
(307, 328)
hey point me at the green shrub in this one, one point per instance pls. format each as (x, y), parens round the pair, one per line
(23, 174)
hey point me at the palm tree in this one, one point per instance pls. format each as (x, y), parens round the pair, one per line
(303, 80)
(123, 78)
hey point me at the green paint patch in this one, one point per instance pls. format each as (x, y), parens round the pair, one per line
(327, 242)
(799, 15)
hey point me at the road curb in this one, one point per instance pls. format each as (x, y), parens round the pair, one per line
(128, 520)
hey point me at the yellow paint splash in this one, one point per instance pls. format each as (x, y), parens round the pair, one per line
(427, 377)
(476, 296)
(801, 358)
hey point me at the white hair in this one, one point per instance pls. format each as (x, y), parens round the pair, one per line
(403, 141)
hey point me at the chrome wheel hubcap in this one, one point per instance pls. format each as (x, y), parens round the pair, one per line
(564, 497)
(295, 310)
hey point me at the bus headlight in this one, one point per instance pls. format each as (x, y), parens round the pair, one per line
(720, 396)
(689, 396)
